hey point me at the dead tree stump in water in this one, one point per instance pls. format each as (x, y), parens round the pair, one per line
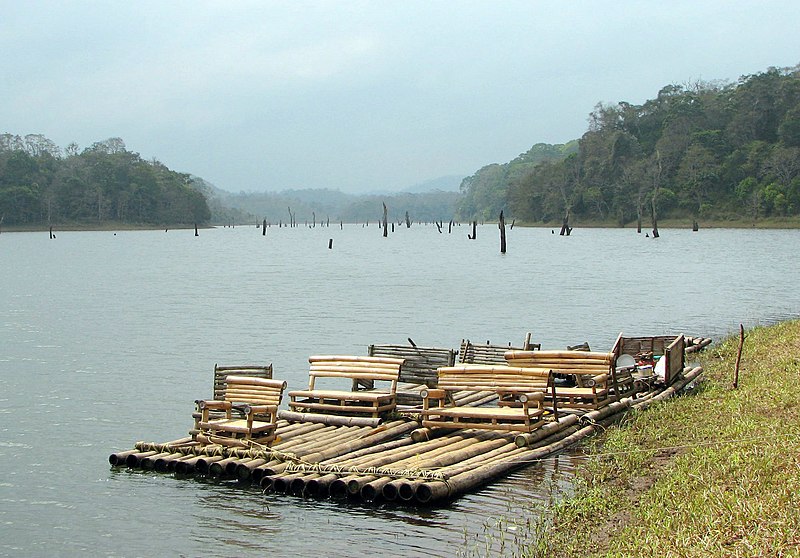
(264, 228)
(385, 222)
(195, 230)
(502, 226)
(474, 234)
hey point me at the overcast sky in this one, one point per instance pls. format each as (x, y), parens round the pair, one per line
(359, 96)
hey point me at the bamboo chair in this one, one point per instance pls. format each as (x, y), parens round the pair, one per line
(256, 398)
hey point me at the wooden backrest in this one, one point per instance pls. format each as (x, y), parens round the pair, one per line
(419, 363)
(471, 353)
(564, 362)
(675, 354)
(256, 391)
(221, 372)
(356, 368)
(655, 344)
(486, 377)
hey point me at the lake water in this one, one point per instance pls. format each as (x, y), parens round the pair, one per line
(108, 338)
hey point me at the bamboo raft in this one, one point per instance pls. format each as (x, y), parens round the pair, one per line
(397, 460)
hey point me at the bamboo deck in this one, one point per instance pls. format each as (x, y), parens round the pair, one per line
(395, 461)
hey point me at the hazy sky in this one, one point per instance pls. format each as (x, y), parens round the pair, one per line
(359, 96)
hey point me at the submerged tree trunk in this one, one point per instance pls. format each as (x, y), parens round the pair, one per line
(565, 228)
(502, 226)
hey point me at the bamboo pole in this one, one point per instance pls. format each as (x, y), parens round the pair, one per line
(244, 470)
(528, 439)
(134, 459)
(204, 463)
(217, 468)
(373, 490)
(334, 420)
(375, 438)
(149, 462)
(162, 463)
(118, 459)
(259, 472)
(738, 357)
(319, 486)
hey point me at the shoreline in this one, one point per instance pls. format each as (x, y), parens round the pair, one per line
(666, 224)
(646, 484)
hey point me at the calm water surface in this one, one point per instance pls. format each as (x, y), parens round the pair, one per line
(106, 339)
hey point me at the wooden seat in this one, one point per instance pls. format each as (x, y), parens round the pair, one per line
(361, 371)
(256, 398)
(592, 372)
(521, 393)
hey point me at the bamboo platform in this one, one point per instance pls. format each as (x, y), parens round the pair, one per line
(394, 461)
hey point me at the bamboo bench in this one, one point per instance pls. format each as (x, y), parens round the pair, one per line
(521, 393)
(359, 400)
(593, 372)
(418, 369)
(256, 398)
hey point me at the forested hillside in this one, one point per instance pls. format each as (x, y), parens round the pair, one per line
(700, 151)
(40, 185)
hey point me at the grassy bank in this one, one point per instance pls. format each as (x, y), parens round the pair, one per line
(712, 473)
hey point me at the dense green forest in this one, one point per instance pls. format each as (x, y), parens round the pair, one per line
(700, 151)
(41, 185)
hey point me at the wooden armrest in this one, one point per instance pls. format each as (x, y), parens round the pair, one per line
(213, 404)
(530, 397)
(260, 409)
(433, 393)
(601, 379)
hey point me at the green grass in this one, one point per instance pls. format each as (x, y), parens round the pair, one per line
(715, 472)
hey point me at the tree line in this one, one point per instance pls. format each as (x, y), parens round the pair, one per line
(700, 151)
(41, 184)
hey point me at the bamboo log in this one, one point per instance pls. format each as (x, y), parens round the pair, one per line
(378, 448)
(298, 485)
(203, 464)
(344, 436)
(328, 419)
(379, 436)
(281, 483)
(162, 463)
(373, 490)
(118, 459)
(676, 387)
(244, 470)
(134, 459)
(258, 472)
(528, 439)
(188, 466)
(391, 490)
(319, 486)
(218, 469)
(149, 462)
